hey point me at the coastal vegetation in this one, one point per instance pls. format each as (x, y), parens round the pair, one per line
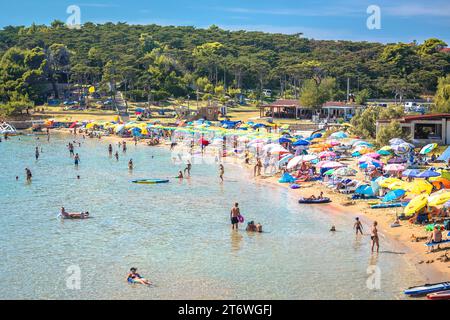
(151, 62)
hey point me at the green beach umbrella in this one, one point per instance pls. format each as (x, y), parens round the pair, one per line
(329, 172)
(383, 152)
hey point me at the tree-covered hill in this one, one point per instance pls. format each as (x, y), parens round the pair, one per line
(165, 61)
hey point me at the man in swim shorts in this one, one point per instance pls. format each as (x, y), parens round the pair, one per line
(374, 236)
(235, 213)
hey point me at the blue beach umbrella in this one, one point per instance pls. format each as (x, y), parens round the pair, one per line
(301, 142)
(410, 173)
(339, 135)
(393, 195)
(284, 140)
(428, 174)
(316, 135)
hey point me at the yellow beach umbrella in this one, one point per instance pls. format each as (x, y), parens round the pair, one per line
(419, 202)
(438, 198)
(419, 186)
(386, 182)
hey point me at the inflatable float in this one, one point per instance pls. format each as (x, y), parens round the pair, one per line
(428, 288)
(150, 181)
(74, 216)
(314, 201)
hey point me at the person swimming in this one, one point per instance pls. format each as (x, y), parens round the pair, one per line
(73, 215)
(221, 171)
(130, 164)
(134, 277)
(252, 227)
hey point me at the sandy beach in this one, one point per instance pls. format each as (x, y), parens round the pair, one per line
(432, 266)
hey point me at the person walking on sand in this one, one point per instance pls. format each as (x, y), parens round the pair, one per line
(374, 236)
(234, 214)
(221, 171)
(358, 226)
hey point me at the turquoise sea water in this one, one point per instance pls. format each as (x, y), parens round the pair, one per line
(177, 234)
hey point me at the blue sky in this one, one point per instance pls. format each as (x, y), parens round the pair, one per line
(401, 20)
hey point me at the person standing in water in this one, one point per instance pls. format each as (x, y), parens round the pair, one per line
(124, 146)
(28, 174)
(221, 171)
(77, 160)
(188, 168)
(374, 236)
(116, 155)
(234, 214)
(110, 149)
(130, 164)
(36, 153)
(358, 226)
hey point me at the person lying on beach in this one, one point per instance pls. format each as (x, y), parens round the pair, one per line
(313, 197)
(134, 277)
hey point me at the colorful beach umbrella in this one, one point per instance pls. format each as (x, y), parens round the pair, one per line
(339, 135)
(410, 173)
(428, 148)
(330, 164)
(344, 172)
(438, 198)
(383, 152)
(394, 167)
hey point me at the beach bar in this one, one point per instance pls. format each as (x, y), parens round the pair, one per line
(424, 129)
(285, 108)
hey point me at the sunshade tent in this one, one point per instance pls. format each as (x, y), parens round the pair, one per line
(393, 195)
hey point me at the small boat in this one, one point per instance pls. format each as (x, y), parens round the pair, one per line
(440, 295)
(150, 181)
(428, 288)
(314, 201)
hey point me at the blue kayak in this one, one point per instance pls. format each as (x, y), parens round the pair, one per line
(388, 205)
(428, 288)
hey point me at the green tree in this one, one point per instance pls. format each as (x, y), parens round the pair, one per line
(442, 96)
(390, 131)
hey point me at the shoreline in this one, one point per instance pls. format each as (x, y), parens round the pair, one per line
(400, 237)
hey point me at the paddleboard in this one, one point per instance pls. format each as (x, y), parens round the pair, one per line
(150, 181)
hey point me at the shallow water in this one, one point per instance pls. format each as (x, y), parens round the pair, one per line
(177, 234)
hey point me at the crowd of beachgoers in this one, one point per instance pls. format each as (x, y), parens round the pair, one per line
(411, 179)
